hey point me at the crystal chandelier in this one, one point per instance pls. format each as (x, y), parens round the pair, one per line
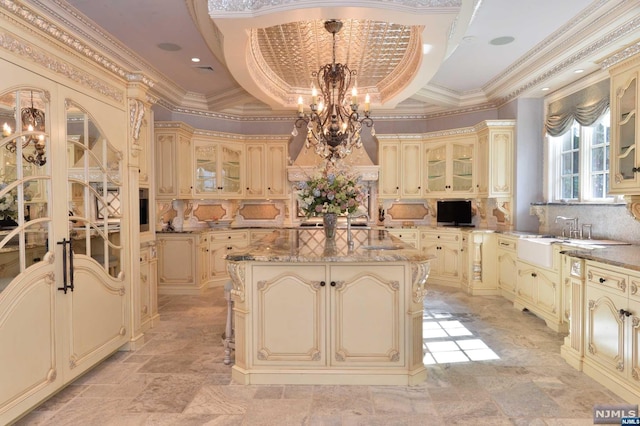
(333, 125)
(33, 127)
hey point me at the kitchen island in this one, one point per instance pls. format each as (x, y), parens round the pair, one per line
(313, 311)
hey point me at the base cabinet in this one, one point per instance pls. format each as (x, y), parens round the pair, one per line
(445, 246)
(221, 243)
(148, 290)
(328, 324)
(177, 264)
(507, 267)
(538, 290)
(604, 339)
(612, 328)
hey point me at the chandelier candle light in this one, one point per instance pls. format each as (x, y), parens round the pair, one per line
(333, 126)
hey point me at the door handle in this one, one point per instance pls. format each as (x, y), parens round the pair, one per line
(67, 277)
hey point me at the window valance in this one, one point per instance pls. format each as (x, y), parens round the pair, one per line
(585, 106)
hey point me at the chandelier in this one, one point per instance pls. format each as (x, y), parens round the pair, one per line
(33, 127)
(333, 125)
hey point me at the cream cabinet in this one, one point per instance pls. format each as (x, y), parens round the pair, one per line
(573, 313)
(411, 170)
(449, 167)
(266, 170)
(409, 236)
(220, 244)
(178, 271)
(494, 168)
(328, 316)
(218, 169)
(506, 252)
(612, 328)
(625, 127)
(445, 246)
(390, 166)
(173, 163)
(146, 315)
(538, 289)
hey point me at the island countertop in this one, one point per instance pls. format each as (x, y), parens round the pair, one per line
(623, 256)
(310, 245)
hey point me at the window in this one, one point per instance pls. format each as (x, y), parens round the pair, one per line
(581, 169)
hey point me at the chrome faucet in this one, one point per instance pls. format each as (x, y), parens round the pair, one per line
(349, 217)
(574, 232)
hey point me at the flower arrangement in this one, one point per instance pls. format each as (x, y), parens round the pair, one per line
(9, 201)
(331, 191)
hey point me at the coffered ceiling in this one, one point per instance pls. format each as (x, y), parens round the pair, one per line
(412, 56)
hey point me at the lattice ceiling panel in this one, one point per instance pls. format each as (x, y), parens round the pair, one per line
(295, 50)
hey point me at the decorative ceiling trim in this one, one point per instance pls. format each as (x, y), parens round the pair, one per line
(630, 27)
(621, 56)
(519, 64)
(219, 8)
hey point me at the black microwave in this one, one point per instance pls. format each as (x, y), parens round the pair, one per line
(144, 209)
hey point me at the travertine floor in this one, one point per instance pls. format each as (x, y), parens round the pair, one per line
(178, 378)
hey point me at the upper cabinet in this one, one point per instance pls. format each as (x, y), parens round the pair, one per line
(217, 169)
(173, 161)
(449, 167)
(460, 163)
(389, 184)
(625, 156)
(495, 159)
(200, 166)
(266, 175)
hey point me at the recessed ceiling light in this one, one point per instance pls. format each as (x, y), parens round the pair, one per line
(169, 47)
(426, 48)
(544, 89)
(195, 59)
(499, 41)
(578, 71)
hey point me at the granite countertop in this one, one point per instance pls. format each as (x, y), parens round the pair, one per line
(623, 256)
(310, 245)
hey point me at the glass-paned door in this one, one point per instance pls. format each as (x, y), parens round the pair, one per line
(24, 183)
(436, 168)
(95, 192)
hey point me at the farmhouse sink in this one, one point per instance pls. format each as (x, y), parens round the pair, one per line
(539, 250)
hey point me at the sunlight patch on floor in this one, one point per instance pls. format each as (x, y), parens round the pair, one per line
(447, 340)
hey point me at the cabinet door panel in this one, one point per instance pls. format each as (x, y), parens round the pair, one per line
(507, 271)
(604, 334)
(289, 316)
(276, 170)
(363, 303)
(411, 170)
(547, 292)
(389, 169)
(526, 283)
(255, 171)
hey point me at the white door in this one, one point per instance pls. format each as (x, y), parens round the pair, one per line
(96, 305)
(48, 335)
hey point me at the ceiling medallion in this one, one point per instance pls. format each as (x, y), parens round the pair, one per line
(333, 126)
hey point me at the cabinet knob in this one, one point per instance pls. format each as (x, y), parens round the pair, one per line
(636, 170)
(322, 283)
(333, 283)
(625, 313)
(601, 280)
(533, 274)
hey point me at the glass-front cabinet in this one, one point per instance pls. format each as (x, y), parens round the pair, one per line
(218, 169)
(625, 156)
(449, 167)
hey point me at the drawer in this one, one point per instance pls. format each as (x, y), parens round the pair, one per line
(604, 278)
(405, 234)
(239, 236)
(507, 244)
(439, 236)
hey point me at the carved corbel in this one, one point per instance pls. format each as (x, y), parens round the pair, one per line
(540, 212)
(633, 205)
